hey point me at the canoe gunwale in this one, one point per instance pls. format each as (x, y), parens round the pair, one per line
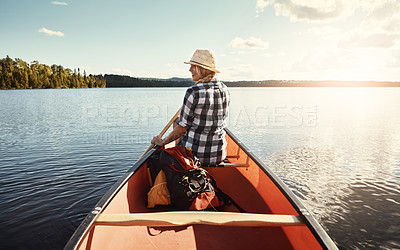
(317, 230)
(90, 219)
(305, 216)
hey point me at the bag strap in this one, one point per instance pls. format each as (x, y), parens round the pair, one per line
(224, 195)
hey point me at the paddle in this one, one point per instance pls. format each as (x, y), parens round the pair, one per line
(205, 79)
(173, 119)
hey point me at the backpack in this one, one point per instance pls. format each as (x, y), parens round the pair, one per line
(186, 186)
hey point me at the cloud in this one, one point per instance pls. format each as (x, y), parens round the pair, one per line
(394, 62)
(379, 29)
(325, 59)
(268, 55)
(51, 32)
(59, 3)
(375, 40)
(311, 10)
(250, 43)
(377, 6)
(342, 64)
(323, 31)
(384, 15)
(260, 6)
(392, 24)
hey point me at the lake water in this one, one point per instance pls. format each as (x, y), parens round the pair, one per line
(338, 150)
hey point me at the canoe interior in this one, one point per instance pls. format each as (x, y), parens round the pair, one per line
(249, 186)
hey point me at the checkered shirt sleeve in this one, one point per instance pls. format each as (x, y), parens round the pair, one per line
(204, 114)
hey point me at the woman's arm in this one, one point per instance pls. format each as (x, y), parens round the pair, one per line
(176, 133)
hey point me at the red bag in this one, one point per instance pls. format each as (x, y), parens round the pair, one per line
(189, 186)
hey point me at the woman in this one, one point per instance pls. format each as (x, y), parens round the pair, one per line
(204, 112)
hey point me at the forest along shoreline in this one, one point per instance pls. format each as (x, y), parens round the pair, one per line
(18, 74)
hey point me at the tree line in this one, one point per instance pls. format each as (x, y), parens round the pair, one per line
(118, 81)
(18, 74)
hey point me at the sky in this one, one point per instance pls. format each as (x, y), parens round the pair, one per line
(251, 39)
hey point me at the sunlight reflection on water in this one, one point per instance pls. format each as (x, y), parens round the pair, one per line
(338, 150)
(345, 168)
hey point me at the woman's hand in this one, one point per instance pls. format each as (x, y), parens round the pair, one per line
(157, 141)
(176, 133)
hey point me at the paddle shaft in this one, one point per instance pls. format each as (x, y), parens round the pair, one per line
(173, 119)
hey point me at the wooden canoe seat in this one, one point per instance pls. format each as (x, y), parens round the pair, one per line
(185, 218)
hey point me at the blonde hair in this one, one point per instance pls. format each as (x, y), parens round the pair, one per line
(206, 75)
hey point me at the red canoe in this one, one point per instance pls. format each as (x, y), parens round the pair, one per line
(275, 218)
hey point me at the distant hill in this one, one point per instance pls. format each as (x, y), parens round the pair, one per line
(118, 81)
(297, 83)
(180, 79)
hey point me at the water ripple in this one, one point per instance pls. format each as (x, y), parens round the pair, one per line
(61, 150)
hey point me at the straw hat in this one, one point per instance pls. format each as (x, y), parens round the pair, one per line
(203, 58)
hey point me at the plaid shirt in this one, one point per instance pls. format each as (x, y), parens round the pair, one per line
(204, 112)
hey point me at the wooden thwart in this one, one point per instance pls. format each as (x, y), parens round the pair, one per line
(237, 156)
(196, 217)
